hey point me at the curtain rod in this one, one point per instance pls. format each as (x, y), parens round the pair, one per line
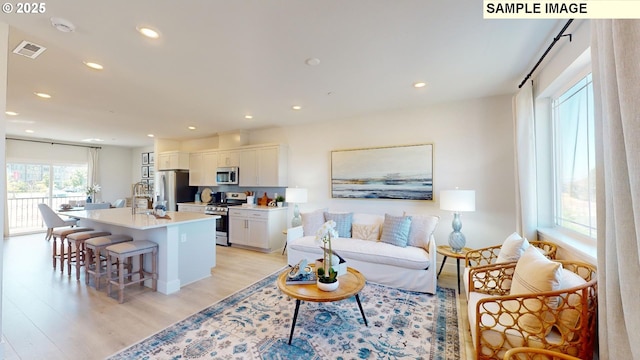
(555, 40)
(53, 143)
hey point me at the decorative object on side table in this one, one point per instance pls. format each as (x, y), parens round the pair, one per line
(327, 275)
(280, 200)
(296, 196)
(457, 201)
(91, 192)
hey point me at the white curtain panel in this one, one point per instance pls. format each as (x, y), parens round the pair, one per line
(93, 176)
(615, 51)
(524, 137)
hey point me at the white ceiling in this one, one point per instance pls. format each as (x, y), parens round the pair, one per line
(219, 60)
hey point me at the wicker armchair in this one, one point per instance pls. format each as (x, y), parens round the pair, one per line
(566, 317)
(488, 255)
(527, 353)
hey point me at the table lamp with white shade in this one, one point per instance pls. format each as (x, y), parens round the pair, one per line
(296, 196)
(457, 201)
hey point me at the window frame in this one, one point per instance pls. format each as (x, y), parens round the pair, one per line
(567, 85)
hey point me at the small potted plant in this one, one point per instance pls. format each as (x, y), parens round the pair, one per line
(280, 200)
(327, 275)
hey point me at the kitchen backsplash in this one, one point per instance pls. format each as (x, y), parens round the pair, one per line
(258, 191)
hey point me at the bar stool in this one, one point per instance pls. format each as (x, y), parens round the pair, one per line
(62, 233)
(77, 240)
(94, 251)
(127, 250)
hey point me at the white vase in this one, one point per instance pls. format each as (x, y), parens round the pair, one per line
(328, 286)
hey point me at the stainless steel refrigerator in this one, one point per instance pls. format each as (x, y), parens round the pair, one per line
(173, 187)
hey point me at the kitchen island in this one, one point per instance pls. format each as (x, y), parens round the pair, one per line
(186, 241)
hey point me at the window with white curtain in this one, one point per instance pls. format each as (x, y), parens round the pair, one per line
(574, 159)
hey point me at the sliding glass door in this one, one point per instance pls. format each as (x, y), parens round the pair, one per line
(29, 184)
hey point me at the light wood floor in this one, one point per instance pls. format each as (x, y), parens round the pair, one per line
(47, 315)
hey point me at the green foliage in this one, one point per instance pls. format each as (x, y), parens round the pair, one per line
(280, 198)
(327, 279)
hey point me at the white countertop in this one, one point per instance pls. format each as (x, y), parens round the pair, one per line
(123, 217)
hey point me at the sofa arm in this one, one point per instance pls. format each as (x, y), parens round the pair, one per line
(294, 233)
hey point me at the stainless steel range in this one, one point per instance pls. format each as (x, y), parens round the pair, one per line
(219, 205)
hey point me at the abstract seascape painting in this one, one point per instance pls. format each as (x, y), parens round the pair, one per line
(397, 172)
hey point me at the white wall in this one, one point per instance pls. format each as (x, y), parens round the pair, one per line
(473, 149)
(115, 173)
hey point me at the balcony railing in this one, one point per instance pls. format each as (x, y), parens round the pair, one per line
(24, 215)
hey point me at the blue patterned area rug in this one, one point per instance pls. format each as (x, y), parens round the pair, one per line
(255, 323)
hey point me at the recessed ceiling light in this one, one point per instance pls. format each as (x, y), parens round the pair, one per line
(93, 65)
(11, 113)
(43, 95)
(191, 127)
(420, 84)
(150, 135)
(312, 61)
(92, 140)
(296, 107)
(63, 25)
(248, 116)
(29, 131)
(148, 32)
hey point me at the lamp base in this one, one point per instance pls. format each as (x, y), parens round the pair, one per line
(457, 241)
(297, 219)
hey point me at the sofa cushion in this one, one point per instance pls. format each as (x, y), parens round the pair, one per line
(367, 219)
(395, 230)
(512, 248)
(375, 252)
(312, 221)
(365, 231)
(343, 222)
(422, 226)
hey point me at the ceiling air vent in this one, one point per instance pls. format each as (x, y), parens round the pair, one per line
(29, 49)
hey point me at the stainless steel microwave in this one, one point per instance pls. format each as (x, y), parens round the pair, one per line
(227, 176)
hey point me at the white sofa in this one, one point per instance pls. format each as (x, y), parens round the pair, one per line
(410, 268)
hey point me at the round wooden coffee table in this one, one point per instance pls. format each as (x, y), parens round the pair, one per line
(350, 285)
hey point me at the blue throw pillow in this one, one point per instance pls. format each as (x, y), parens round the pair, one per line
(395, 230)
(343, 223)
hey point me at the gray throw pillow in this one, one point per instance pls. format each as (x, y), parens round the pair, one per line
(395, 230)
(343, 223)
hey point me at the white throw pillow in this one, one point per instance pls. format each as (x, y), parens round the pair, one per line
(422, 226)
(569, 316)
(512, 248)
(534, 273)
(312, 221)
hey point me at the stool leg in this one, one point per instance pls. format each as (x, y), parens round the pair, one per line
(55, 251)
(70, 255)
(121, 280)
(109, 272)
(98, 268)
(62, 255)
(88, 255)
(141, 269)
(154, 269)
(80, 259)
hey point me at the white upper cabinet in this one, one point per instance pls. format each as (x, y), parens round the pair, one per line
(229, 158)
(202, 168)
(264, 166)
(173, 160)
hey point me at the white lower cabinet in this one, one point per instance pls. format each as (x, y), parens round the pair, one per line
(257, 229)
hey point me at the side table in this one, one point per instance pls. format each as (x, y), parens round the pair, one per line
(446, 251)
